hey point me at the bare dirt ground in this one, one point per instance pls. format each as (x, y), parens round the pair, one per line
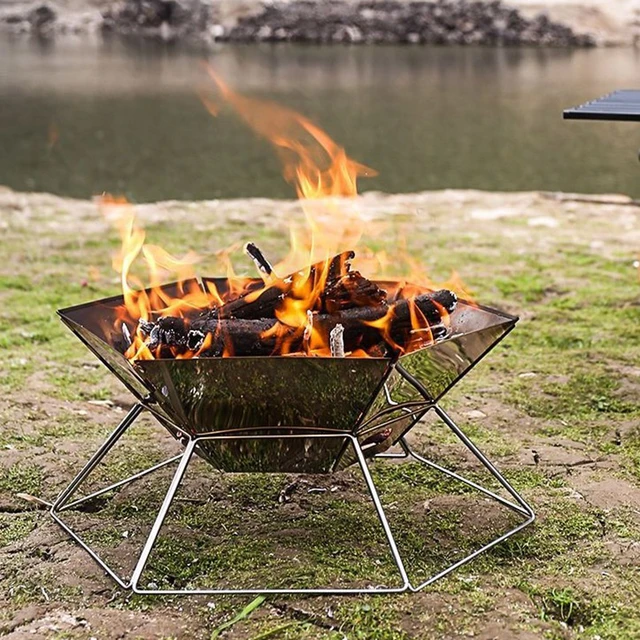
(555, 405)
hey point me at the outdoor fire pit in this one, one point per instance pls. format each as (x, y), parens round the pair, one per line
(290, 414)
(309, 372)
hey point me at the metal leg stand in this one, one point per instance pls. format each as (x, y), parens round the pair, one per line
(177, 479)
(62, 501)
(518, 505)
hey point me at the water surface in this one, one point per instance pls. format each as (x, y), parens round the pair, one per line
(79, 118)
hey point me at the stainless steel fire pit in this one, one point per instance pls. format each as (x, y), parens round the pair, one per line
(290, 414)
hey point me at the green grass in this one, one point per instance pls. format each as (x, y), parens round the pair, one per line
(578, 334)
(21, 478)
(582, 395)
(593, 617)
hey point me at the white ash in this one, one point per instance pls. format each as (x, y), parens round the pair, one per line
(336, 341)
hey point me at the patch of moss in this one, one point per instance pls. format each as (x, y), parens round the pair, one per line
(15, 526)
(21, 478)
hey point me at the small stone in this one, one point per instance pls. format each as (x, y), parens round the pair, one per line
(216, 31)
(475, 414)
(527, 374)
(101, 403)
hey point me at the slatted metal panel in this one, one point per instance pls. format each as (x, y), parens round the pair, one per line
(619, 105)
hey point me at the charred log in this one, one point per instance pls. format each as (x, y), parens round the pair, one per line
(267, 336)
(351, 290)
(342, 289)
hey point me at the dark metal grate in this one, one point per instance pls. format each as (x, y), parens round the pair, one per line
(619, 105)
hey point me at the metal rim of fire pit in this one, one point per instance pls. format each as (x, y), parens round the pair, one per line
(407, 414)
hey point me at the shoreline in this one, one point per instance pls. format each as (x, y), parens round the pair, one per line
(327, 22)
(479, 204)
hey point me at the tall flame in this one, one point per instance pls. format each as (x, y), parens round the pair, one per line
(314, 164)
(323, 175)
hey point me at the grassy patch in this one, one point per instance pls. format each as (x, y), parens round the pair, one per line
(581, 395)
(631, 452)
(21, 478)
(590, 615)
(528, 287)
(561, 529)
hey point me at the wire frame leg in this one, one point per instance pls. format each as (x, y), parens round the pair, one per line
(518, 505)
(97, 457)
(62, 501)
(177, 479)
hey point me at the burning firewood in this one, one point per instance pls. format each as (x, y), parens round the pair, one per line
(364, 328)
(342, 289)
(262, 264)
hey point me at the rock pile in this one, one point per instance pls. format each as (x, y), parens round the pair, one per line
(45, 18)
(312, 21)
(167, 18)
(389, 21)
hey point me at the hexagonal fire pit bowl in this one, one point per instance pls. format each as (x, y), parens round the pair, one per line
(291, 414)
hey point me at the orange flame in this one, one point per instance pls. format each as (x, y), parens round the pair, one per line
(181, 299)
(322, 174)
(314, 164)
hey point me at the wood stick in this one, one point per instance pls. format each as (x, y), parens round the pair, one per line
(336, 341)
(262, 264)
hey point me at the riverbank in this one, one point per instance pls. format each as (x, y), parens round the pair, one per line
(555, 406)
(444, 22)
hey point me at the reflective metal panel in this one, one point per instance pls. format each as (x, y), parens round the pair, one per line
(222, 394)
(112, 359)
(399, 404)
(296, 455)
(366, 396)
(474, 331)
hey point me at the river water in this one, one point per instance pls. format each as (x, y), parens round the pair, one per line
(79, 118)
